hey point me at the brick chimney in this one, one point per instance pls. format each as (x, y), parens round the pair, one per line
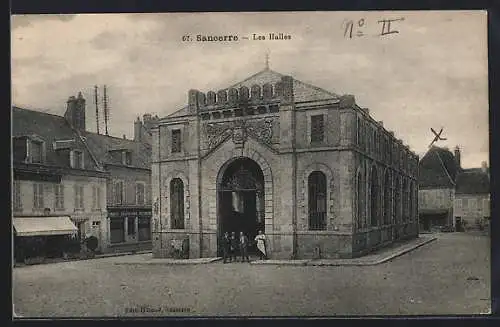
(138, 130)
(75, 112)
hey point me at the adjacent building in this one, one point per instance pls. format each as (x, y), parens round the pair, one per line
(311, 169)
(438, 170)
(102, 183)
(58, 186)
(450, 196)
(128, 197)
(472, 199)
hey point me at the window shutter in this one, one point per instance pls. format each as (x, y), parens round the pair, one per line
(35, 196)
(113, 192)
(98, 197)
(76, 196)
(61, 190)
(81, 196)
(72, 159)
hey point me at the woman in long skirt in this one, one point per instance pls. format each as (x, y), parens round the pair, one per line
(261, 245)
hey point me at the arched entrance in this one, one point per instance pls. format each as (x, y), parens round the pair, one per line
(240, 197)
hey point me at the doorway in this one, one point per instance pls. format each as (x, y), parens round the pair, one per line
(241, 200)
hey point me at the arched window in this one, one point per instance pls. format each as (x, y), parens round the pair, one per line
(405, 201)
(317, 201)
(387, 198)
(374, 187)
(360, 200)
(177, 203)
(395, 203)
(412, 201)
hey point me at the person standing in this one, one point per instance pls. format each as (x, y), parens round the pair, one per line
(226, 247)
(244, 247)
(261, 245)
(234, 246)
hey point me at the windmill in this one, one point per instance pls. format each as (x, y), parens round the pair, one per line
(437, 136)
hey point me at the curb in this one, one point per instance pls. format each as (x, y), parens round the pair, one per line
(345, 262)
(281, 263)
(373, 262)
(120, 254)
(397, 254)
(173, 262)
(99, 256)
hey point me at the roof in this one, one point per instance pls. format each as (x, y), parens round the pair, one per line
(303, 92)
(102, 146)
(49, 128)
(437, 168)
(473, 181)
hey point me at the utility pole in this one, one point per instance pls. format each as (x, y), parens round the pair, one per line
(96, 108)
(106, 111)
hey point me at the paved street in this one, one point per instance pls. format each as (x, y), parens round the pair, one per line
(448, 276)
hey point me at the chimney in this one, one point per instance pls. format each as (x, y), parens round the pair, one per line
(137, 130)
(124, 136)
(80, 112)
(457, 157)
(484, 167)
(75, 112)
(70, 109)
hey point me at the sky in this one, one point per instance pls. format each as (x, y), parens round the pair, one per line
(432, 73)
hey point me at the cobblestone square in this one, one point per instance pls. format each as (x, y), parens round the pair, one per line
(448, 276)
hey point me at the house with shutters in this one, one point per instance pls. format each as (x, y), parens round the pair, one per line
(316, 173)
(58, 185)
(472, 198)
(98, 184)
(128, 196)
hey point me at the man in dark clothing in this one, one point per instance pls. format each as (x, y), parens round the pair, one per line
(234, 246)
(226, 247)
(244, 247)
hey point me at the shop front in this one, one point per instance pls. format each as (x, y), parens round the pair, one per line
(43, 237)
(130, 228)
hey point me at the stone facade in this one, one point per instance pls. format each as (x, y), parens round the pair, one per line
(294, 132)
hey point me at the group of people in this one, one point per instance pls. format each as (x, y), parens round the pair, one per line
(232, 245)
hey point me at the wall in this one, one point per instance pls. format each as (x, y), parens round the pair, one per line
(472, 208)
(435, 199)
(129, 176)
(88, 215)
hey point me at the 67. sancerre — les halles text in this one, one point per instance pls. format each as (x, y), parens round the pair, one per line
(235, 38)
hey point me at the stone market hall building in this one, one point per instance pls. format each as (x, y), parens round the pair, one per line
(310, 168)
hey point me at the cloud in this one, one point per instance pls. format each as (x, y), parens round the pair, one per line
(28, 20)
(432, 73)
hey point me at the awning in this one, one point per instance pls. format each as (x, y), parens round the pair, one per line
(43, 226)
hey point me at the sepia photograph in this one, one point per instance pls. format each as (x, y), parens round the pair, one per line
(250, 164)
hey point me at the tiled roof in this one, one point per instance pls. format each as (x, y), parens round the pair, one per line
(179, 113)
(473, 181)
(49, 128)
(303, 92)
(103, 146)
(437, 168)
